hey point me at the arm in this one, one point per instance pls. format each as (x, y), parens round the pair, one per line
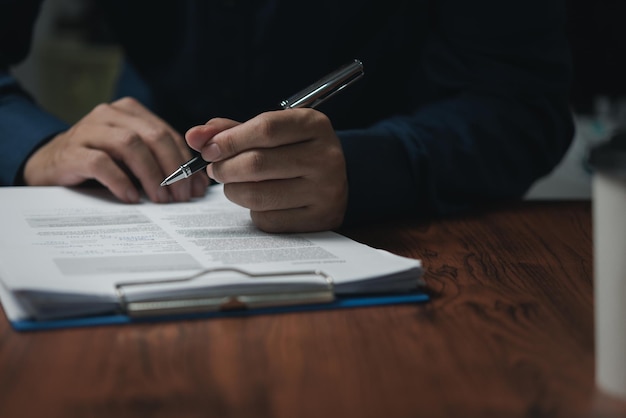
(120, 144)
(23, 128)
(23, 125)
(498, 74)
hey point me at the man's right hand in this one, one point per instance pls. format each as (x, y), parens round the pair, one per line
(112, 144)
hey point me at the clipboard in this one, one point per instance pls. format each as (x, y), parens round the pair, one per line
(196, 302)
(87, 251)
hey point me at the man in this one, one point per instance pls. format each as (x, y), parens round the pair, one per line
(462, 103)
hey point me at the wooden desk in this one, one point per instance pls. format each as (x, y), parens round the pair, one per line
(509, 333)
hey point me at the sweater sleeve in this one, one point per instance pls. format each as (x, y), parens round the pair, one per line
(497, 118)
(23, 124)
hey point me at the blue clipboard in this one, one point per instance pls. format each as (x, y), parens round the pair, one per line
(206, 302)
(340, 302)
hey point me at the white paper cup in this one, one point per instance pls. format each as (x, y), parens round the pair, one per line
(609, 251)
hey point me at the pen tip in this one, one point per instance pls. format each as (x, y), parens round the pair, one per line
(173, 178)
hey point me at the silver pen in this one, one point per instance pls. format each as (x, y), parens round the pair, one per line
(311, 97)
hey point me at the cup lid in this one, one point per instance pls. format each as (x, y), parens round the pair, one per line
(610, 156)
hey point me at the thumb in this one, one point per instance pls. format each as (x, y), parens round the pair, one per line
(199, 136)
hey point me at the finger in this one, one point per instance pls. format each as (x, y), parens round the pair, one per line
(153, 126)
(264, 164)
(167, 145)
(313, 158)
(289, 206)
(305, 219)
(98, 165)
(273, 210)
(129, 148)
(267, 130)
(135, 108)
(57, 164)
(270, 195)
(198, 136)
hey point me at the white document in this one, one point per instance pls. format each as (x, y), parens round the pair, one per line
(73, 246)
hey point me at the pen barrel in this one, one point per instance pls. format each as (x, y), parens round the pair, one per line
(325, 88)
(194, 165)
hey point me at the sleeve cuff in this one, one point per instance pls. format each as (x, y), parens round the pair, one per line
(23, 128)
(380, 179)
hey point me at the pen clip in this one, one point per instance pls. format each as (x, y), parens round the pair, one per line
(303, 287)
(325, 88)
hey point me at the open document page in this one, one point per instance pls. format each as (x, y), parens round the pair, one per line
(64, 251)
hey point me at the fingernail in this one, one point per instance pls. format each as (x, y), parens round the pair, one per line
(209, 171)
(212, 152)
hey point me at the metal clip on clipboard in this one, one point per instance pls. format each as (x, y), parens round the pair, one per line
(219, 298)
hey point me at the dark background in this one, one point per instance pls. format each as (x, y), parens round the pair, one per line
(597, 32)
(596, 29)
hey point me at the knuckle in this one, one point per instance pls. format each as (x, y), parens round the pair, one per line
(318, 118)
(229, 144)
(129, 139)
(265, 125)
(335, 158)
(256, 161)
(101, 109)
(74, 130)
(157, 134)
(127, 101)
(99, 161)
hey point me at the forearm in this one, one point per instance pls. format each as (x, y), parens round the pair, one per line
(452, 155)
(489, 113)
(23, 125)
(23, 128)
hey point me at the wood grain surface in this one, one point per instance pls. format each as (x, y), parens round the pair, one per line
(508, 333)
